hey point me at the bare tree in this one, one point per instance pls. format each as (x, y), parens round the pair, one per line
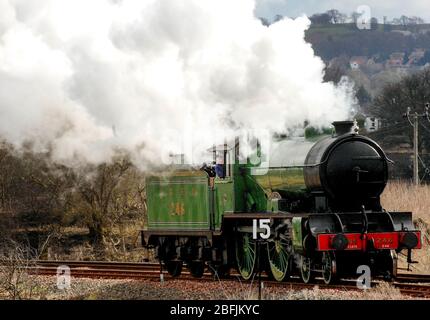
(321, 18)
(336, 16)
(355, 16)
(96, 188)
(411, 92)
(16, 261)
(265, 22)
(277, 18)
(336, 69)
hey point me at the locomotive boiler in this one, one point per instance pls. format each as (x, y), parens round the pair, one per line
(308, 208)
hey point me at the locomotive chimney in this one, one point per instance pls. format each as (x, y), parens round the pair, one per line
(344, 127)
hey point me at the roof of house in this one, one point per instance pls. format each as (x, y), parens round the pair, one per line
(359, 60)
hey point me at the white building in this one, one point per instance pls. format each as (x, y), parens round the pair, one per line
(372, 124)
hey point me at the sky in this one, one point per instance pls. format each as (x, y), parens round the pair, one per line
(380, 8)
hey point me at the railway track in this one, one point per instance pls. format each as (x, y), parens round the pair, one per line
(415, 285)
(413, 278)
(105, 270)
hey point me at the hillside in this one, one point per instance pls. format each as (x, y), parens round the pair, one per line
(333, 40)
(372, 59)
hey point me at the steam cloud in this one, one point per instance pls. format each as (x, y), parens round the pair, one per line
(84, 78)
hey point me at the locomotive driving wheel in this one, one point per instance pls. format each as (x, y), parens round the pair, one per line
(197, 268)
(174, 267)
(245, 255)
(305, 269)
(329, 267)
(279, 259)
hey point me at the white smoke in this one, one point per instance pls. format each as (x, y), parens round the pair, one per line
(85, 78)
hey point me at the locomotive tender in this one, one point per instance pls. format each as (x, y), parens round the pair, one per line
(319, 215)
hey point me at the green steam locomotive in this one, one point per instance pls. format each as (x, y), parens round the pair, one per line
(311, 208)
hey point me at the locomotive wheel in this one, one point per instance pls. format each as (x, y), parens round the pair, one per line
(305, 270)
(174, 267)
(329, 268)
(388, 265)
(219, 270)
(197, 268)
(245, 255)
(278, 260)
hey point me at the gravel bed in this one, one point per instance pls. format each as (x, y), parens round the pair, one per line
(45, 287)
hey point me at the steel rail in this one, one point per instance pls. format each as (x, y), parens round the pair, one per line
(413, 285)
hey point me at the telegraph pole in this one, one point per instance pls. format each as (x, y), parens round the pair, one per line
(416, 163)
(414, 120)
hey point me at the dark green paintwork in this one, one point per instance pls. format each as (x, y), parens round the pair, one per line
(178, 202)
(223, 199)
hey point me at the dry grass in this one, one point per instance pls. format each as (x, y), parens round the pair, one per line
(15, 281)
(121, 243)
(402, 196)
(383, 291)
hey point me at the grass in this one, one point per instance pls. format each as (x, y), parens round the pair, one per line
(402, 196)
